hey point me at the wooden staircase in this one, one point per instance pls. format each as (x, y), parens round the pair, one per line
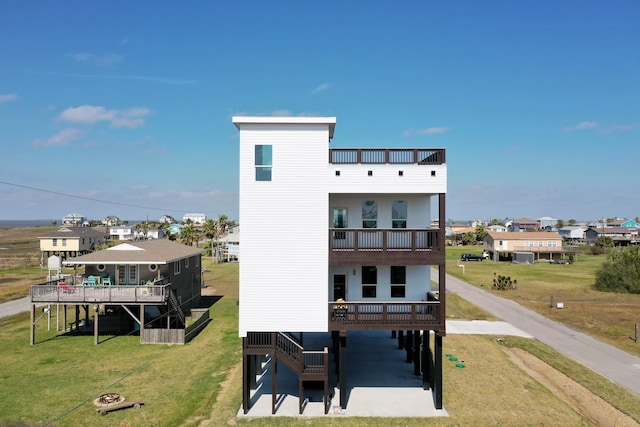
(175, 310)
(284, 347)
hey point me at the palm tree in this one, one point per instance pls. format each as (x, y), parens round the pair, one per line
(220, 230)
(188, 235)
(209, 230)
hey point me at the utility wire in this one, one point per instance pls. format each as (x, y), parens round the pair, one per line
(87, 198)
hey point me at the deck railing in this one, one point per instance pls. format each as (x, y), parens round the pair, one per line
(385, 315)
(399, 156)
(98, 294)
(371, 239)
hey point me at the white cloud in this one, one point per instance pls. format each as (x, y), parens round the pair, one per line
(60, 139)
(581, 126)
(90, 114)
(108, 60)
(426, 131)
(8, 97)
(320, 88)
(620, 128)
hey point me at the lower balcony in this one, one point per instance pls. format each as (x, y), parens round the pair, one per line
(64, 294)
(421, 315)
(402, 246)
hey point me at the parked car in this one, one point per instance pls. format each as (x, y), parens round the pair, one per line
(471, 257)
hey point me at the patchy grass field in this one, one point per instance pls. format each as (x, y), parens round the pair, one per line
(199, 384)
(608, 316)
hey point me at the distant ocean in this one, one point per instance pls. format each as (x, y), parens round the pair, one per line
(13, 223)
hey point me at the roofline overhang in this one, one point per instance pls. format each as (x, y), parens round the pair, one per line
(242, 120)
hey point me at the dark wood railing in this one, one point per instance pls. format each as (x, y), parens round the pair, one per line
(375, 239)
(398, 156)
(98, 294)
(385, 315)
(308, 365)
(413, 246)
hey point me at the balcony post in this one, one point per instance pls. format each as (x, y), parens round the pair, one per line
(409, 346)
(416, 353)
(342, 374)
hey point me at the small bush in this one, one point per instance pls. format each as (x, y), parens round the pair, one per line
(620, 272)
(503, 283)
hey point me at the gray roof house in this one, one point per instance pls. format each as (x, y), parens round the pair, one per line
(150, 286)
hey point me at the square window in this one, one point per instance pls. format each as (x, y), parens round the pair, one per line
(398, 275)
(370, 173)
(368, 291)
(399, 214)
(433, 173)
(369, 275)
(397, 291)
(263, 162)
(263, 174)
(337, 173)
(370, 214)
(400, 173)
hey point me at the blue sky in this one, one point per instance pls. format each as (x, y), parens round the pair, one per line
(130, 103)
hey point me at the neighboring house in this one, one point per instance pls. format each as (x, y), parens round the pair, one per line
(147, 286)
(544, 244)
(620, 236)
(70, 241)
(524, 224)
(74, 219)
(111, 221)
(629, 223)
(123, 232)
(166, 219)
(175, 229)
(497, 228)
(573, 233)
(155, 233)
(233, 243)
(547, 223)
(195, 218)
(359, 249)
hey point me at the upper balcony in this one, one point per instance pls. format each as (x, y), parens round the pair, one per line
(404, 170)
(398, 246)
(391, 156)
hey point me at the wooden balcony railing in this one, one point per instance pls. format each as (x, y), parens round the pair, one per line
(385, 315)
(99, 294)
(548, 249)
(399, 156)
(414, 246)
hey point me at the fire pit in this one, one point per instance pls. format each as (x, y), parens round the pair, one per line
(108, 399)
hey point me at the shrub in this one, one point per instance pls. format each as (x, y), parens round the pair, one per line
(502, 283)
(620, 272)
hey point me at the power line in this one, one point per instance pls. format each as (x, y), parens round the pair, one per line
(87, 198)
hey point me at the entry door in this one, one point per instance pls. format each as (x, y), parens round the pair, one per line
(339, 287)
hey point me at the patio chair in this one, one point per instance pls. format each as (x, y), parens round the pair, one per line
(85, 281)
(92, 281)
(106, 281)
(66, 288)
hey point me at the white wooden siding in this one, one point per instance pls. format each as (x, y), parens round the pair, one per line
(284, 266)
(385, 179)
(418, 283)
(418, 208)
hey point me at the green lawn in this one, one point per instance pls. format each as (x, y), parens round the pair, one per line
(55, 381)
(608, 316)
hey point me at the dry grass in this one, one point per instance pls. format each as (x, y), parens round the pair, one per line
(608, 316)
(490, 390)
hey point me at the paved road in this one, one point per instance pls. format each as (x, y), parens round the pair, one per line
(617, 365)
(16, 306)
